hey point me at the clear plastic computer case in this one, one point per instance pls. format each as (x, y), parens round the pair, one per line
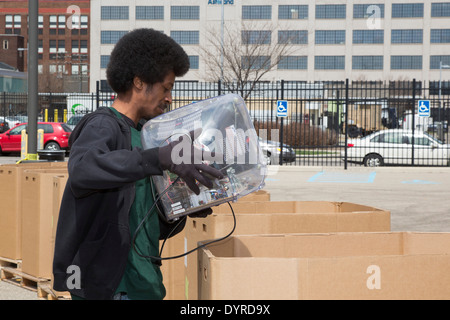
(227, 130)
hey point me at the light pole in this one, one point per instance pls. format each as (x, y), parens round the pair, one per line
(33, 8)
(222, 26)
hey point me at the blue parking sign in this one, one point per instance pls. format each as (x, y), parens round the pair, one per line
(282, 108)
(423, 108)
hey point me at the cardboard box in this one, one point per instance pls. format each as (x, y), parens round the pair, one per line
(37, 221)
(173, 271)
(391, 265)
(11, 207)
(272, 217)
(59, 184)
(260, 195)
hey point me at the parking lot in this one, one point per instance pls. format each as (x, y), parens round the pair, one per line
(418, 197)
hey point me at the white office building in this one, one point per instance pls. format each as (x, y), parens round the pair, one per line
(329, 40)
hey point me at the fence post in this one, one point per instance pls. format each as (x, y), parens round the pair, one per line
(97, 88)
(281, 126)
(346, 122)
(219, 87)
(413, 119)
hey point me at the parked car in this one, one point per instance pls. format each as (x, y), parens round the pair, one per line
(9, 122)
(272, 150)
(394, 147)
(56, 137)
(73, 121)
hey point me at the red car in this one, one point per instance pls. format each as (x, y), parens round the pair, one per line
(56, 137)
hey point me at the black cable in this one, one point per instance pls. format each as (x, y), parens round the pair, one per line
(175, 227)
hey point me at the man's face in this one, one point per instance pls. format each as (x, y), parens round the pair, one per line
(156, 98)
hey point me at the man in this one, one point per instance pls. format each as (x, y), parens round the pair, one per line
(109, 190)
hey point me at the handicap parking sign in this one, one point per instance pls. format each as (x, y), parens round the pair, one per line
(282, 108)
(424, 108)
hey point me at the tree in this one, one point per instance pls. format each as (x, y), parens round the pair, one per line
(249, 52)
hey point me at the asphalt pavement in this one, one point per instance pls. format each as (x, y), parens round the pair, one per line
(417, 197)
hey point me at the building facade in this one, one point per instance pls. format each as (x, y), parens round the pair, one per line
(360, 40)
(63, 39)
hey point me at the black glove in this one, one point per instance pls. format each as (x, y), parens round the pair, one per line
(190, 169)
(201, 214)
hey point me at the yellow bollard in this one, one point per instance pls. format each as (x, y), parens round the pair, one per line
(46, 115)
(65, 115)
(55, 118)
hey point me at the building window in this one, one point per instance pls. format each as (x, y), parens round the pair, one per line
(194, 62)
(185, 12)
(329, 62)
(53, 22)
(293, 36)
(440, 35)
(407, 36)
(293, 63)
(8, 21)
(293, 12)
(185, 37)
(61, 46)
(407, 10)
(149, 12)
(330, 11)
(52, 46)
(83, 46)
(367, 62)
(5, 44)
(13, 24)
(256, 37)
(52, 68)
(435, 61)
(406, 62)
(257, 12)
(114, 13)
(255, 62)
(104, 60)
(368, 36)
(111, 37)
(363, 11)
(17, 21)
(330, 37)
(75, 46)
(440, 9)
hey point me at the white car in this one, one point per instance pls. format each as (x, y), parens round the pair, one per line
(394, 147)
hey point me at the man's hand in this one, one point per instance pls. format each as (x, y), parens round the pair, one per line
(186, 161)
(201, 214)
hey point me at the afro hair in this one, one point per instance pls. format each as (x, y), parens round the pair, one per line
(147, 54)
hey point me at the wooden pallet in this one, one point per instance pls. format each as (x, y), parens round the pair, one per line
(10, 263)
(21, 279)
(46, 292)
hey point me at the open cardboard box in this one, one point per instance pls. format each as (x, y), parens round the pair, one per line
(272, 217)
(173, 270)
(361, 265)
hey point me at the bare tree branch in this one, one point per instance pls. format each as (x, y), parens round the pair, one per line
(250, 51)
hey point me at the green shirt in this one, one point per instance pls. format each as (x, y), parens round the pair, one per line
(142, 279)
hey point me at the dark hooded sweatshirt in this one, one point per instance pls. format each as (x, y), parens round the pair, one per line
(93, 237)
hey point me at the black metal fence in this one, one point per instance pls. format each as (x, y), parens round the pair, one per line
(327, 123)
